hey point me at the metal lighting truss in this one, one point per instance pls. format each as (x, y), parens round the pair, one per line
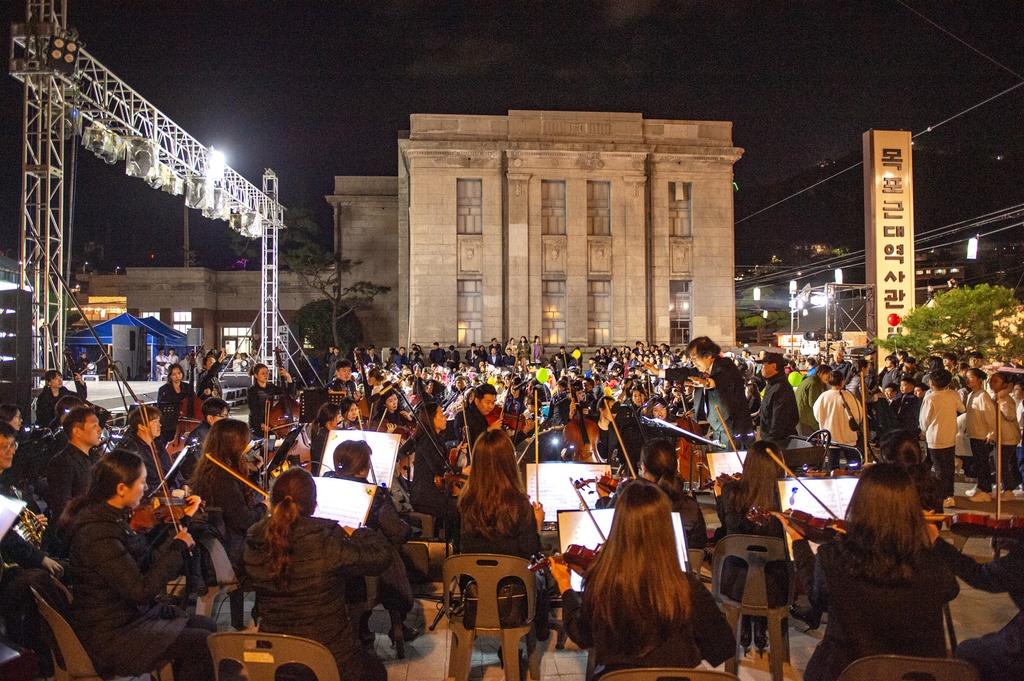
(53, 98)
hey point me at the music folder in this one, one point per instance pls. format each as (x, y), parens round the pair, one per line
(10, 509)
(346, 502)
(383, 451)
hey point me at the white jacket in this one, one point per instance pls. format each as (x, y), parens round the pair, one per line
(830, 414)
(981, 416)
(938, 417)
(1010, 434)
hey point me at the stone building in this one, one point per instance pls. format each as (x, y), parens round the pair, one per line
(583, 228)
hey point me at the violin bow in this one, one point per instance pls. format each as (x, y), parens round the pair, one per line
(236, 476)
(583, 504)
(625, 454)
(791, 474)
(465, 428)
(536, 446)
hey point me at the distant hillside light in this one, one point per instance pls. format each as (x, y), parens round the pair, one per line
(972, 248)
(757, 293)
(839, 275)
(765, 314)
(792, 287)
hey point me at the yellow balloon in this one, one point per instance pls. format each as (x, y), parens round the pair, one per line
(490, 380)
(607, 391)
(577, 354)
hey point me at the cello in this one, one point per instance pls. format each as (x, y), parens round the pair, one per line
(692, 458)
(283, 417)
(581, 433)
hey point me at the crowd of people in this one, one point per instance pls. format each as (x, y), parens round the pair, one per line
(883, 583)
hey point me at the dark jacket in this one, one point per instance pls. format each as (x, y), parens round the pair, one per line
(424, 495)
(734, 570)
(779, 413)
(67, 475)
(522, 541)
(256, 398)
(1004, 574)
(728, 395)
(705, 636)
(477, 423)
(209, 380)
(45, 402)
(116, 577)
(223, 492)
(869, 618)
(134, 443)
(307, 603)
(13, 548)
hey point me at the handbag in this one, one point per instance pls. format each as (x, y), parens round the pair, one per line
(854, 426)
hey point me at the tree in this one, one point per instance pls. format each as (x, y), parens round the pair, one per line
(304, 250)
(982, 318)
(314, 322)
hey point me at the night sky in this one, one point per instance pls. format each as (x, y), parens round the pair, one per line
(317, 89)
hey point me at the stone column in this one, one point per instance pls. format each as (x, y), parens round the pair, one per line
(517, 303)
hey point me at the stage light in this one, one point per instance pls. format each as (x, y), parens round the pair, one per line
(792, 287)
(101, 141)
(218, 209)
(757, 293)
(839, 275)
(215, 165)
(247, 224)
(62, 54)
(176, 187)
(198, 192)
(141, 157)
(805, 312)
(972, 248)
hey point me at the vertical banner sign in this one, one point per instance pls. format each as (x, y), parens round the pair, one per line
(889, 227)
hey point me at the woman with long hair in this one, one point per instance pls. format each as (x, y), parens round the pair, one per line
(298, 566)
(352, 461)
(903, 447)
(660, 465)
(117, 577)
(497, 516)
(429, 460)
(237, 506)
(883, 586)
(260, 392)
(329, 417)
(666, 618)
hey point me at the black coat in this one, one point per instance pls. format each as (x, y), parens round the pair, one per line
(706, 635)
(522, 541)
(223, 492)
(779, 413)
(734, 570)
(134, 443)
(310, 603)
(116, 577)
(46, 402)
(424, 495)
(67, 476)
(477, 423)
(15, 549)
(868, 618)
(728, 395)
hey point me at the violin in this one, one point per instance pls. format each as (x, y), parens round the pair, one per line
(581, 433)
(721, 481)
(817, 530)
(284, 409)
(145, 518)
(451, 483)
(578, 558)
(606, 482)
(979, 525)
(190, 416)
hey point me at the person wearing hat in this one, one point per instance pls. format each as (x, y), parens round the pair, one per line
(779, 413)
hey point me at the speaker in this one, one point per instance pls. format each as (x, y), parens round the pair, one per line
(130, 351)
(16, 348)
(194, 337)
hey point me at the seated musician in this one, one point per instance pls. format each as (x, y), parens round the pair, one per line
(474, 416)
(172, 394)
(54, 389)
(208, 384)
(351, 419)
(329, 417)
(240, 508)
(497, 515)
(352, 462)
(298, 566)
(389, 415)
(117, 578)
(214, 409)
(998, 656)
(343, 381)
(25, 566)
(143, 438)
(260, 392)
(430, 465)
(883, 585)
(67, 474)
(660, 465)
(665, 619)
(11, 413)
(558, 412)
(375, 384)
(756, 490)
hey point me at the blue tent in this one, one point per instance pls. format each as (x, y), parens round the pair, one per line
(158, 335)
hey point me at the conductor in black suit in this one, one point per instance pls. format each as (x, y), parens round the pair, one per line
(719, 384)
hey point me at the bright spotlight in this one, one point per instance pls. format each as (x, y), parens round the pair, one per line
(839, 275)
(792, 287)
(765, 314)
(215, 169)
(972, 248)
(757, 293)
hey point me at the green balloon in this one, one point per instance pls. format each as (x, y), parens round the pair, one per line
(794, 378)
(543, 375)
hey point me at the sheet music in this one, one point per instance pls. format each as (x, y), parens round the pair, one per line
(383, 451)
(556, 490)
(177, 462)
(10, 509)
(575, 527)
(833, 492)
(725, 463)
(345, 501)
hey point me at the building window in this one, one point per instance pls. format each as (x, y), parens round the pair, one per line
(552, 207)
(679, 208)
(149, 314)
(471, 311)
(236, 339)
(182, 320)
(553, 309)
(471, 212)
(679, 300)
(599, 208)
(599, 313)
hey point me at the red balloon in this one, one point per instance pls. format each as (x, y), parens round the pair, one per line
(894, 319)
